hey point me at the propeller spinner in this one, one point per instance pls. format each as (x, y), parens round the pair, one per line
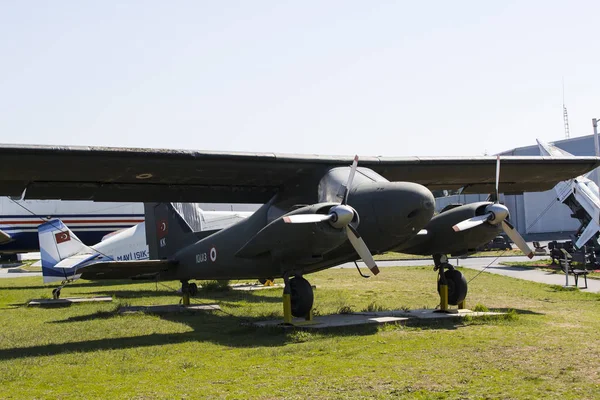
(340, 216)
(496, 214)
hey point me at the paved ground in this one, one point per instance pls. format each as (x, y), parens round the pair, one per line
(492, 265)
(13, 273)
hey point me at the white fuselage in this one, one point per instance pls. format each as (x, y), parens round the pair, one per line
(91, 221)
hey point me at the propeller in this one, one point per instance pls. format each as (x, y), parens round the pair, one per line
(496, 214)
(340, 216)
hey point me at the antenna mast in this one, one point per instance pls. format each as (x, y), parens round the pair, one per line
(565, 114)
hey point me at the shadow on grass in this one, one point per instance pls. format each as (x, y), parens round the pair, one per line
(219, 328)
(104, 283)
(516, 310)
(130, 294)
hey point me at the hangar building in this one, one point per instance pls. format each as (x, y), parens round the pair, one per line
(536, 212)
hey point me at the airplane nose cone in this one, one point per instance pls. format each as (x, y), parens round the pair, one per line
(394, 210)
(404, 208)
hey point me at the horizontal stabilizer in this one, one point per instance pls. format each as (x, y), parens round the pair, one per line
(75, 261)
(126, 269)
(4, 237)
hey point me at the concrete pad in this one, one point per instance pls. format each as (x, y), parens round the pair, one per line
(380, 317)
(69, 300)
(254, 286)
(171, 308)
(335, 320)
(428, 313)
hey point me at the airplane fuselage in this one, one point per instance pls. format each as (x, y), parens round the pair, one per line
(263, 245)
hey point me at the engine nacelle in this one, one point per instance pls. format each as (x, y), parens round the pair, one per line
(442, 239)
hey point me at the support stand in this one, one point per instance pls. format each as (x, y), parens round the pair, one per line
(185, 293)
(287, 302)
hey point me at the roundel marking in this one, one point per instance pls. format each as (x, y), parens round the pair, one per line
(213, 254)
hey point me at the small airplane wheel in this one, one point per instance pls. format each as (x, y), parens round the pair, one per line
(193, 289)
(302, 296)
(56, 294)
(457, 286)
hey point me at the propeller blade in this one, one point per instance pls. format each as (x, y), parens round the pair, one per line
(305, 218)
(470, 223)
(350, 179)
(361, 249)
(517, 238)
(497, 178)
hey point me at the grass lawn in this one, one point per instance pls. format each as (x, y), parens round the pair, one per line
(548, 349)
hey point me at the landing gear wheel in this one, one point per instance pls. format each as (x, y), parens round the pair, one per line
(56, 294)
(193, 289)
(302, 296)
(457, 286)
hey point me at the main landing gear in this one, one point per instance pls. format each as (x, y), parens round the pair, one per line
(452, 285)
(188, 290)
(298, 299)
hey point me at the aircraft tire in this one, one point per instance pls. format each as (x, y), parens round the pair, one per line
(457, 286)
(302, 296)
(56, 294)
(193, 289)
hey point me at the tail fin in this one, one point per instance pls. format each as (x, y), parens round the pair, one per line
(57, 243)
(166, 230)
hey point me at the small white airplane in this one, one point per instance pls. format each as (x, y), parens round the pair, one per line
(63, 253)
(91, 221)
(579, 194)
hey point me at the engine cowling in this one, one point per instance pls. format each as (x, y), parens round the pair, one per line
(442, 239)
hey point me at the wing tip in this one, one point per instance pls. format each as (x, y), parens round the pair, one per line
(530, 255)
(375, 270)
(456, 228)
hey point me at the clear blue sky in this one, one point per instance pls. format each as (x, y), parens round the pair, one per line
(325, 77)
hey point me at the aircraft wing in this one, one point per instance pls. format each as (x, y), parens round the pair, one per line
(125, 269)
(159, 175)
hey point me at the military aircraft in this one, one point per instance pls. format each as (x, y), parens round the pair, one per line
(318, 212)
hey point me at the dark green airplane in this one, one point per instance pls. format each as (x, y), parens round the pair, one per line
(318, 211)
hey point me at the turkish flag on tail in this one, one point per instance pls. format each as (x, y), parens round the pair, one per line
(62, 237)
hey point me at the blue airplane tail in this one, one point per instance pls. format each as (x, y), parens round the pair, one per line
(58, 243)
